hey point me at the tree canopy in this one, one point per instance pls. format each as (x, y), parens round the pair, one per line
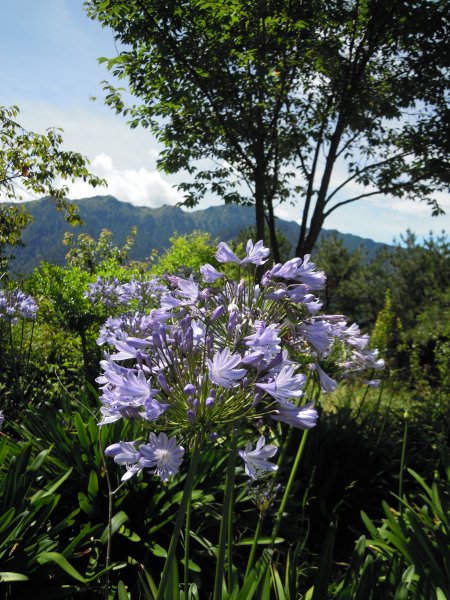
(277, 94)
(34, 163)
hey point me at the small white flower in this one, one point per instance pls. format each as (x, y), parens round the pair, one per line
(255, 460)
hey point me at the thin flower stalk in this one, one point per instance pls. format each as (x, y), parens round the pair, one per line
(287, 489)
(226, 523)
(188, 487)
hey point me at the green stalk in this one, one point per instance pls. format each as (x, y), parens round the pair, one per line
(230, 538)
(225, 525)
(402, 462)
(251, 558)
(186, 547)
(30, 345)
(188, 486)
(287, 490)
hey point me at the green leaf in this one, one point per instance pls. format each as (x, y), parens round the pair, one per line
(61, 561)
(322, 578)
(116, 523)
(93, 483)
(277, 584)
(261, 540)
(251, 583)
(192, 566)
(440, 594)
(40, 494)
(122, 591)
(9, 576)
(173, 587)
(38, 461)
(81, 432)
(159, 551)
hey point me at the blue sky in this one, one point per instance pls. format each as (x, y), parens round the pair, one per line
(49, 69)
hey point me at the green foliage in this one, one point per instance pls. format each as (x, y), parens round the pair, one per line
(33, 162)
(94, 255)
(155, 226)
(39, 536)
(186, 254)
(264, 91)
(401, 294)
(343, 269)
(411, 549)
(61, 296)
(13, 221)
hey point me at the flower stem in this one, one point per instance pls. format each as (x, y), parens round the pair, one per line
(225, 525)
(188, 486)
(287, 490)
(186, 547)
(402, 463)
(251, 558)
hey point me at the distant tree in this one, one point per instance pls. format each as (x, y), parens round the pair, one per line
(343, 269)
(91, 255)
(35, 163)
(13, 220)
(186, 253)
(277, 94)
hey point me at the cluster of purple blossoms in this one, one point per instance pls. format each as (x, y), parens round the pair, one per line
(15, 305)
(139, 293)
(219, 355)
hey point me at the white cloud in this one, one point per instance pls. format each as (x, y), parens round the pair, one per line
(140, 187)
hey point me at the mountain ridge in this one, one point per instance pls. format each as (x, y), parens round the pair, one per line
(43, 237)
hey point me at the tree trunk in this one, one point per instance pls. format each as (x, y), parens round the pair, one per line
(273, 232)
(305, 245)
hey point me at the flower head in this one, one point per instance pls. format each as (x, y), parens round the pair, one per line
(284, 385)
(207, 357)
(256, 462)
(162, 455)
(302, 418)
(222, 368)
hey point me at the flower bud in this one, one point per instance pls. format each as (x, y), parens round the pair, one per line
(217, 313)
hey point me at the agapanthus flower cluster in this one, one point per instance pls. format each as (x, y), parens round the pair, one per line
(111, 293)
(15, 305)
(218, 355)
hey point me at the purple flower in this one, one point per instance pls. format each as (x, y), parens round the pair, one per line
(209, 273)
(362, 360)
(125, 453)
(373, 383)
(153, 409)
(225, 254)
(16, 305)
(105, 291)
(162, 455)
(187, 289)
(326, 383)
(256, 254)
(301, 271)
(266, 339)
(302, 418)
(284, 385)
(222, 368)
(318, 333)
(256, 462)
